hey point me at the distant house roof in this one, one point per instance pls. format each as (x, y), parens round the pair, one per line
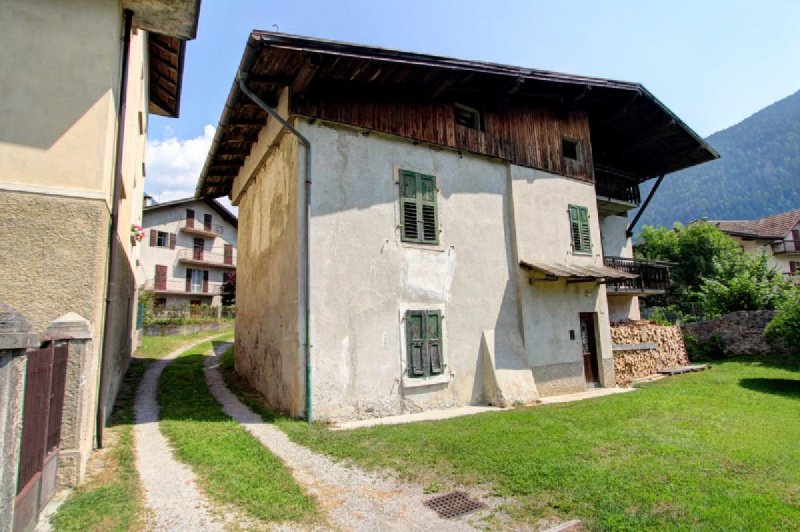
(214, 204)
(770, 228)
(631, 129)
(169, 24)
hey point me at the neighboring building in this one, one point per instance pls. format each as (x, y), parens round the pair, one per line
(188, 252)
(778, 236)
(79, 80)
(466, 235)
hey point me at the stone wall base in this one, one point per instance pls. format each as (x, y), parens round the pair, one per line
(742, 332)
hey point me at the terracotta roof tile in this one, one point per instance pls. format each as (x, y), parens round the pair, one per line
(771, 227)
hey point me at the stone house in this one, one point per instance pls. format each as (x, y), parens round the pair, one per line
(79, 82)
(188, 252)
(778, 236)
(424, 232)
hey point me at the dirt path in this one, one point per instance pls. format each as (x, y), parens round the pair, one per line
(171, 494)
(353, 499)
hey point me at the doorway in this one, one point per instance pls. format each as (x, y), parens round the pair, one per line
(589, 349)
(198, 244)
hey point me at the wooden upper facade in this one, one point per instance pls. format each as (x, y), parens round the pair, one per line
(567, 125)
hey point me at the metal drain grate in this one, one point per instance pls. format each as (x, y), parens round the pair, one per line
(453, 504)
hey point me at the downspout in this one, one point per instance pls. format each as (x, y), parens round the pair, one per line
(113, 241)
(306, 228)
(629, 231)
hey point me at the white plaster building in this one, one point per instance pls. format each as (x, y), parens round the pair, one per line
(434, 231)
(188, 251)
(778, 236)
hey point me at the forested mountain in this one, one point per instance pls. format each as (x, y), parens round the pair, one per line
(758, 174)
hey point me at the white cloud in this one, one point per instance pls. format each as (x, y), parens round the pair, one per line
(173, 165)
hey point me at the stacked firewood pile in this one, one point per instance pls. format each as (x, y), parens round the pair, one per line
(641, 348)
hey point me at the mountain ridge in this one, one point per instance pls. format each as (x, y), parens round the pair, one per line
(757, 175)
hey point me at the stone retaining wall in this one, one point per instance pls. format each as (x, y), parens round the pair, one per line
(742, 332)
(182, 330)
(641, 348)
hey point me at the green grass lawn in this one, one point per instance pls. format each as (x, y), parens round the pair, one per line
(713, 450)
(231, 465)
(112, 499)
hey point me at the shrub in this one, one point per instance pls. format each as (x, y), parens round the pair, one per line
(784, 329)
(711, 349)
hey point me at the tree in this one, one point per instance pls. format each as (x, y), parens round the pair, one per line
(742, 282)
(711, 271)
(228, 290)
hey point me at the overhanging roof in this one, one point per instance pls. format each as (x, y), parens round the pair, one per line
(631, 130)
(169, 24)
(576, 273)
(773, 227)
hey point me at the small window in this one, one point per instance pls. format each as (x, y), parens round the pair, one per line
(468, 117)
(424, 343)
(418, 212)
(571, 149)
(579, 230)
(162, 240)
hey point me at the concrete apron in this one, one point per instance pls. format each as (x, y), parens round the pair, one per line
(449, 413)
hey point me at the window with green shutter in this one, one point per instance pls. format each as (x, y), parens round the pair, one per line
(424, 343)
(579, 229)
(418, 212)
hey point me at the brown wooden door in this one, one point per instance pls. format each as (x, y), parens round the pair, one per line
(199, 244)
(228, 254)
(161, 277)
(589, 347)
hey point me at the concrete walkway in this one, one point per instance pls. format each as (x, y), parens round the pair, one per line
(171, 493)
(352, 498)
(428, 415)
(580, 396)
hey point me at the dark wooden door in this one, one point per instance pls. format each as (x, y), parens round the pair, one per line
(199, 244)
(589, 347)
(207, 222)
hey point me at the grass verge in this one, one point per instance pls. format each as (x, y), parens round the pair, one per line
(111, 499)
(232, 467)
(711, 450)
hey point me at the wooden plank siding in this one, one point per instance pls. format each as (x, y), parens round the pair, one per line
(524, 135)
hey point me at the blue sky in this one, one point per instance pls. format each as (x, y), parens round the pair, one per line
(712, 62)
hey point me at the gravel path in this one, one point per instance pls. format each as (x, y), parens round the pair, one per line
(171, 494)
(353, 499)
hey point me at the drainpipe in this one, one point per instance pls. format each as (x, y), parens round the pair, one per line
(629, 232)
(113, 241)
(306, 229)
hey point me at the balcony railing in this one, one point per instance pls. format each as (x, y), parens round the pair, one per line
(191, 225)
(786, 246)
(179, 287)
(206, 258)
(617, 187)
(653, 276)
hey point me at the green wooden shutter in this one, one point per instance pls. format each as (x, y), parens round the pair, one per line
(408, 206)
(418, 210)
(415, 339)
(434, 341)
(579, 229)
(429, 223)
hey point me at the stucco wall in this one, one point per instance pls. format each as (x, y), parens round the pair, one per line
(267, 281)
(615, 243)
(57, 144)
(551, 310)
(58, 111)
(363, 277)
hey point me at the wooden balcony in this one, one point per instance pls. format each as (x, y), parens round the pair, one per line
(183, 288)
(195, 227)
(616, 194)
(789, 247)
(206, 259)
(653, 277)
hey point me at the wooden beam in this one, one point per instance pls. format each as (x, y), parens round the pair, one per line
(307, 72)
